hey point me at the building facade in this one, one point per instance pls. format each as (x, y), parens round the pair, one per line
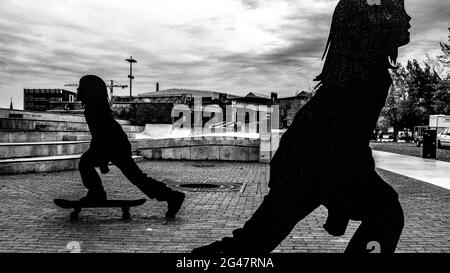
(237, 111)
(50, 100)
(157, 107)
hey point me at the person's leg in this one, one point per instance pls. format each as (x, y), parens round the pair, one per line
(382, 224)
(89, 176)
(267, 228)
(152, 188)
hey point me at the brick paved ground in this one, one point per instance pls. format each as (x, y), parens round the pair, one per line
(30, 222)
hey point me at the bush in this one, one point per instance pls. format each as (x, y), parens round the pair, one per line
(126, 112)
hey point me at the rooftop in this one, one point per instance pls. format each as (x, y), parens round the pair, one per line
(182, 91)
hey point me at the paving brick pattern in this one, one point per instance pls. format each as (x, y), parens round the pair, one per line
(30, 222)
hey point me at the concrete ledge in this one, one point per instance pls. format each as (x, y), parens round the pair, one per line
(192, 149)
(42, 149)
(14, 124)
(205, 153)
(15, 137)
(200, 153)
(30, 136)
(43, 164)
(233, 153)
(52, 148)
(188, 142)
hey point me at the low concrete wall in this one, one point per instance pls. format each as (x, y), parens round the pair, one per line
(35, 115)
(30, 136)
(204, 149)
(176, 149)
(14, 124)
(15, 137)
(39, 166)
(53, 164)
(43, 149)
(46, 149)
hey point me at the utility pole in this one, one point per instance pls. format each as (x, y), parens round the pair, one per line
(131, 77)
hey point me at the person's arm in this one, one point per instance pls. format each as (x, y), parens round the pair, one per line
(97, 124)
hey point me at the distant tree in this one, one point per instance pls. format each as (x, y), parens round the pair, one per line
(383, 125)
(437, 66)
(445, 57)
(441, 99)
(292, 109)
(128, 112)
(413, 97)
(422, 88)
(418, 92)
(397, 103)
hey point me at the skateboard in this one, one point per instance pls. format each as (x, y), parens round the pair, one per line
(78, 206)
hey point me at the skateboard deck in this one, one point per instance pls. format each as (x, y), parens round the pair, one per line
(78, 206)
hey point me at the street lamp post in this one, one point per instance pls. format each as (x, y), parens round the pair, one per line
(131, 77)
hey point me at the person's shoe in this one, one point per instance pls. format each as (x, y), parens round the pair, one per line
(336, 224)
(174, 203)
(94, 197)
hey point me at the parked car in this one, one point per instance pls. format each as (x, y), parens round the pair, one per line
(418, 134)
(386, 137)
(405, 136)
(443, 138)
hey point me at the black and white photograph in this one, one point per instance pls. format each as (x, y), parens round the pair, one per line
(224, 128)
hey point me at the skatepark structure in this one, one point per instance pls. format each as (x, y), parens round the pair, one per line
(46, 142)
(33, 142)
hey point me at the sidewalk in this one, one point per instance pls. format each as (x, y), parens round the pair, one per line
(427, 170)
(30, 222)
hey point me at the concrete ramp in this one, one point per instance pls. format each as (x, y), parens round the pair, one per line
(166, 131)
(156, 131)
(181, 133)
(163, 131)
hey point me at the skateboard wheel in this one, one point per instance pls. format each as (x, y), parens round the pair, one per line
(74, 216)
(126, 214)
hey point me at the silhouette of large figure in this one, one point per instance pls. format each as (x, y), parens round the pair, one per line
(110, 144)
(324, 157)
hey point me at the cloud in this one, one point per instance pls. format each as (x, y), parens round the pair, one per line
(234, 46)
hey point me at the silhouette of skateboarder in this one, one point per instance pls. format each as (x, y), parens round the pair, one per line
(312, 167)
(110, 144)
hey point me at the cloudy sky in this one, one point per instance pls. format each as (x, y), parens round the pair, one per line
(233, 46)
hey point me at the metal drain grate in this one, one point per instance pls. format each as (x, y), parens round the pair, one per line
(204, 165)
(200, 186)
(208, 187)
